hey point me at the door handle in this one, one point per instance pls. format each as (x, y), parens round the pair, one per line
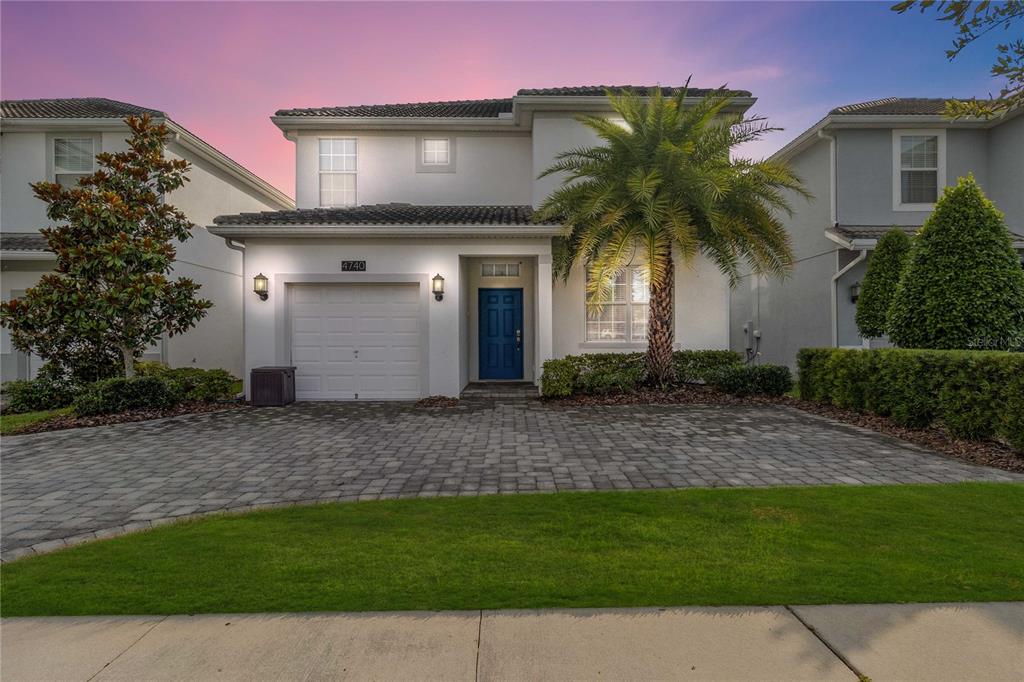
(519, 339)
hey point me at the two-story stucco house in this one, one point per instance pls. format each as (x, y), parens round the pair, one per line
(397, 202)
(57, 140)
(871, 167)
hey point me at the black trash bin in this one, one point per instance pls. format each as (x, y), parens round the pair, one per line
(272, 386)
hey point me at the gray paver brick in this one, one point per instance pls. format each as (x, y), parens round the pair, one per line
(115, 479)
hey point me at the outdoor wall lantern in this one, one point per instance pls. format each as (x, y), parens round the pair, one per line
(260, 284)
(854, 292)
(437, 287)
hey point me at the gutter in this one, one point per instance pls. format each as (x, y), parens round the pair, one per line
(835, 295)
(832, 219)
(370, 230)
(27, 255)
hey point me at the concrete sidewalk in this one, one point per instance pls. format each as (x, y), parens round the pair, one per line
(884, 642)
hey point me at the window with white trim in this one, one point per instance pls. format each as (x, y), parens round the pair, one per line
(337, 172)
(499, 269)
(73, 158)
(623, 314)
(436, 151)
(919, 172)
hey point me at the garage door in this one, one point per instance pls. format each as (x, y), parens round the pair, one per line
(356, 341)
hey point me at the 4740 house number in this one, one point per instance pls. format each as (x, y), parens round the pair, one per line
(353, 266)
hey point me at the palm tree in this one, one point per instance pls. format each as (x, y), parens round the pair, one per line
(664, 185)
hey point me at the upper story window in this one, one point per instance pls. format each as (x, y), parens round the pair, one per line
(919, 168)
(436, 151)
(338, 172)
(73, 157)
(623, 315)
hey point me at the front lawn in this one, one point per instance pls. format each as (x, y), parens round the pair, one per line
(962, 542)
(12, 423)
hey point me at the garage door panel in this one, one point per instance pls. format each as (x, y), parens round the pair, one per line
(352, 340)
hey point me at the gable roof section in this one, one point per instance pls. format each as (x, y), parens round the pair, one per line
(23, 241)
(894, 106)
(866, 236)
(76, 107)
(34, 113)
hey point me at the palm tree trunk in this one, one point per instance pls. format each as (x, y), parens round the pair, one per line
(660, 333)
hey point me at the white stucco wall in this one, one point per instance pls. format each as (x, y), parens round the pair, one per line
(447, 333)
(554, 132)
(490, 168)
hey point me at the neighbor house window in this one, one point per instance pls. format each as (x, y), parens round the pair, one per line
(919, 168)
(338, 172)
(499, 270)
(436, 152)
(623, 314)
(73, 158)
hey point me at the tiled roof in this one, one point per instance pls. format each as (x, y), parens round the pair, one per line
(877, 231)
(465, 108)
(389, 215)
(642, 90)
(77, 107)
(482, 108)
(22, 242)
(921, 106)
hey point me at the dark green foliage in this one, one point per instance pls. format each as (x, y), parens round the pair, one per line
(975, 394)
(192, 383)
(880, 282)
(609, 372)
(558, 379)
(744, 380)
(696, 365)
(963, 286)
(48, 391)
(119, 394)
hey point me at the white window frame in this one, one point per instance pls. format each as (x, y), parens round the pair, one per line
(628, 306)
(506, 265)
(51, 161)
(321, 172)
(897, 166)
(447, 149)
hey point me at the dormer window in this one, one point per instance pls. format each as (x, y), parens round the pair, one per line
(919, 168)
(73, 158)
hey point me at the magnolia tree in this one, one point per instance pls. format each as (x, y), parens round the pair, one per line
(110, 292)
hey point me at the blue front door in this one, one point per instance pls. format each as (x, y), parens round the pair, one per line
(501, 334)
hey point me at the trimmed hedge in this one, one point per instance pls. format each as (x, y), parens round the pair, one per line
(192, 383)
(745, 380)
(975, 394)
(595, 373)
(119, 395)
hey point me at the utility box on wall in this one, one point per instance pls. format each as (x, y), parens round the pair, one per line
(272, 386)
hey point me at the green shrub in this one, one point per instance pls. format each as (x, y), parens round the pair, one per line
(963, 286)
(192, 383)
(697, 365)
(880, 281)
(46, 392)
(609, 372)
(745, 380)
(558, 379)
(1013, 415)
(975, 394)
(110, 396)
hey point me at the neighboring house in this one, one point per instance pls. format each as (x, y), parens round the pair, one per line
(57, 140)
(394, 200)
(871, 167)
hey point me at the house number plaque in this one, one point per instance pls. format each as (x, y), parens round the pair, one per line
(353, 266)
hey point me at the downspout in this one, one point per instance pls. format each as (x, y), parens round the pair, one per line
(835, 295)
(235, 246)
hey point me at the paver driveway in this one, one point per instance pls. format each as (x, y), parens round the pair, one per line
(75, 485)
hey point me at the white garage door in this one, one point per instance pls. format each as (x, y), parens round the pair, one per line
(356, 341)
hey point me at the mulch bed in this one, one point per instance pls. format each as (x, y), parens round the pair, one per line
(73, 422)
(988, 453)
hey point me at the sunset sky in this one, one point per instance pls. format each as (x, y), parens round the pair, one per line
(221, 69)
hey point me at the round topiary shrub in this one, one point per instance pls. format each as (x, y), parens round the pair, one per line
(963, 286)
(880, 282)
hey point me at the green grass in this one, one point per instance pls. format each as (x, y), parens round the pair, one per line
(961, 542)
(12, 423)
